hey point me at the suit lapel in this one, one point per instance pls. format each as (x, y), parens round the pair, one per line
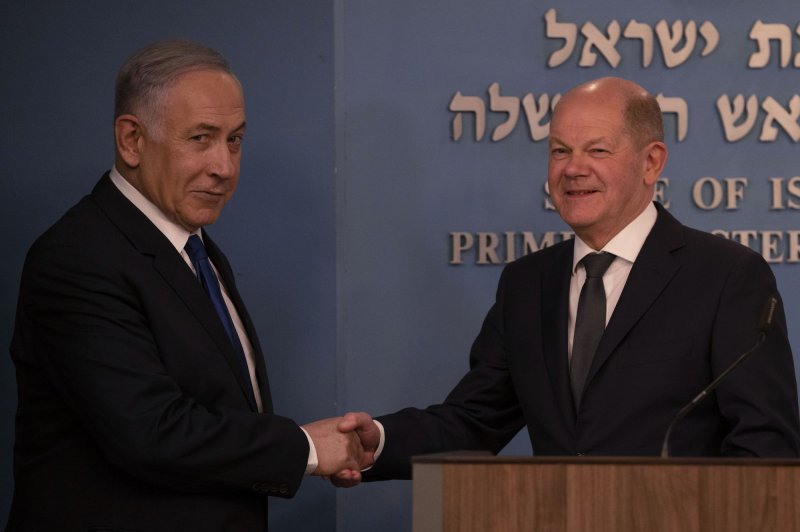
(148, 240)
(555, 315)
(650, 275)
(226, 273)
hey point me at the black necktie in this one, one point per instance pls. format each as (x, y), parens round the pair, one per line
(197, 253)
(590, 321)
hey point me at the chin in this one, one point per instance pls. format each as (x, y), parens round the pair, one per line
(201, 221)
(578, 219)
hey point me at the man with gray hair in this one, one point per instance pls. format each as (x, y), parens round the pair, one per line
(144, 402)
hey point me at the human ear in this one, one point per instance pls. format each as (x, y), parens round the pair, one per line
(656, 159)
(129, 136)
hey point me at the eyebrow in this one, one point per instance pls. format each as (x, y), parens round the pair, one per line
(211, 127)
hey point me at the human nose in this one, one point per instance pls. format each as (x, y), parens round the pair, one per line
(575, 165)
(223, 162)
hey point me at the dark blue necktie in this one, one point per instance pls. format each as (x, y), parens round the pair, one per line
(197, 253)
(590, 321)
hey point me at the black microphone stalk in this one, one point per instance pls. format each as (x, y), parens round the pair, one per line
(764, 325)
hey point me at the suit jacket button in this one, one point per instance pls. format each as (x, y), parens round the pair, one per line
(284, 489)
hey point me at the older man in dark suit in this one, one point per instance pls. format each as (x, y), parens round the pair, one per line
(143, 396)
(595, 343)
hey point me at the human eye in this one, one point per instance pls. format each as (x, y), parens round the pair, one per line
(600, 152)
(201, 137)
(235, 141)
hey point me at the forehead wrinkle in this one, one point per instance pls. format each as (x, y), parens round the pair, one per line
(206, 126)
(597, 140)
(589, 142)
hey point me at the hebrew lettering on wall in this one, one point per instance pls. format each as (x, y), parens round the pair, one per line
(468, 104)
(677, 41)
(764, 35)
(742, 116)
(739, 117)
(503, 104)
(536, 111)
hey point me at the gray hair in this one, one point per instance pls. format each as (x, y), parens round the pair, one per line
(144, 79)
(644, 121)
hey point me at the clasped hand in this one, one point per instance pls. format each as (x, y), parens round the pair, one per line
(345, 446)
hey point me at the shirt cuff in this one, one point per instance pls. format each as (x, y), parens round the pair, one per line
(313, 462)
(379, 450)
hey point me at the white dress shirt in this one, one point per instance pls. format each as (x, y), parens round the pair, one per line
(626, 245)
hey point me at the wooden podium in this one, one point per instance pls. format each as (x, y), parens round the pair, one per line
(467, 492)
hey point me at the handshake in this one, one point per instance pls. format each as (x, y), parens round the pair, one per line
(345, 446)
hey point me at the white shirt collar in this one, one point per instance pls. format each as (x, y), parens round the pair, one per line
(176, 234)
(627, 243)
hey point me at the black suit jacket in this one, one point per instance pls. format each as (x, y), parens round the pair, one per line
(690, 306)
(132, 413)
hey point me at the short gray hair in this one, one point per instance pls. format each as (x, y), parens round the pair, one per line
(143, 80)
(644, 121)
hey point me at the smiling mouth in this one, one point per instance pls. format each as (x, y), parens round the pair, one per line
(579, 193)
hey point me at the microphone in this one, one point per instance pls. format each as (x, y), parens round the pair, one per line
(764, 325)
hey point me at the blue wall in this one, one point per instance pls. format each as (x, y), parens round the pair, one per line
(352, 181)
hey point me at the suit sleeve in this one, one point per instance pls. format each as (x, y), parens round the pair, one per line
(481, 413)
(759, 398)
(90, 362)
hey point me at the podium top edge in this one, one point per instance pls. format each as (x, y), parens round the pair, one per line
(473, 457)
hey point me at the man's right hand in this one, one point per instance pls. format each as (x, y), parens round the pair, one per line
(337, 451)
(362, 425)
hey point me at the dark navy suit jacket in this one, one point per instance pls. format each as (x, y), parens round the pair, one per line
(690, 306)
(132, 412)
